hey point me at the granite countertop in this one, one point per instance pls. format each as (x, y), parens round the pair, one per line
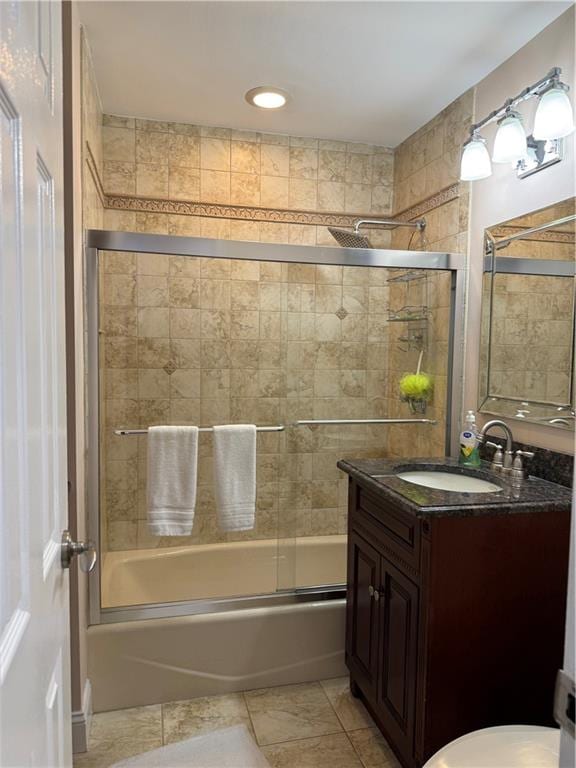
(379, 475)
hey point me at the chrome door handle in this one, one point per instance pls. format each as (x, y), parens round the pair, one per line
(71, 549)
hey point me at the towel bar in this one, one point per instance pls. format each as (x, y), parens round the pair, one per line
(302, 423)
(123, 432)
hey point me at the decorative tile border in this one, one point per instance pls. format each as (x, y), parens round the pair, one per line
(279, 215)
(218, 211)
(436, 200)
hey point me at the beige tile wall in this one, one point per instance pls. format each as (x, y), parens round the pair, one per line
(426, 163)
(207, 341)
(252, 341)
(179, 161)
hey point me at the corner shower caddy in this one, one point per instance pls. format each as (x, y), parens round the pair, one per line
(416, 317)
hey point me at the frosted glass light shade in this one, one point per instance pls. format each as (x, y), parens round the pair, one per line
(510, 142)
(475, 163)
(554, 118)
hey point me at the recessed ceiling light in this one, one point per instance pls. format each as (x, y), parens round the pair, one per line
(266, 97)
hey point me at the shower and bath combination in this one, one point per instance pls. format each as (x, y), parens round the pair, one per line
(298, 340)
(353, 239)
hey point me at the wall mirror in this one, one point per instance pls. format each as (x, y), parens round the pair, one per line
(528, 297)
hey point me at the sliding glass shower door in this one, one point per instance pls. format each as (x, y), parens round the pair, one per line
(310, 351)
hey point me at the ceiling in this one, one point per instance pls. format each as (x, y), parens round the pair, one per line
(359, 71)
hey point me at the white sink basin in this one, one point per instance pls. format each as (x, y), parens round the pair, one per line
(449, 481)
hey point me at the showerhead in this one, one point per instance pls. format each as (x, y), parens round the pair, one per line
(353, 239)
(348, 239)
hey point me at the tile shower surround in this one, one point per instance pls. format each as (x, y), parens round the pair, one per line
(290, 502)
(208, 341)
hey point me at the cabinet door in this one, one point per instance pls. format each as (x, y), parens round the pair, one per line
(398, 643)
(362, 618)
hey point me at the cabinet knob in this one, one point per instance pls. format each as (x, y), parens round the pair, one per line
(373, 592)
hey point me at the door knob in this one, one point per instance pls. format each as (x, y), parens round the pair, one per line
(71, 549)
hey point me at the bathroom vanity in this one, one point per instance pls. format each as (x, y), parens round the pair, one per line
(455, 603)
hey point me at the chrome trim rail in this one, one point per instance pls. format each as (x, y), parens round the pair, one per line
(174, 245)
(195, 607)
(316, 422)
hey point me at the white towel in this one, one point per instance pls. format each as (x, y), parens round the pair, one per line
(235, 476)
(172, 473)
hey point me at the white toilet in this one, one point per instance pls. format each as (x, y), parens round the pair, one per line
(506, 746)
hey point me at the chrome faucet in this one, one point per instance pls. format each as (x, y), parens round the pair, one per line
(500, 464)
(504, 463)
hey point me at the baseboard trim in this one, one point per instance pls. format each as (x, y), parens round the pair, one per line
(81, 721)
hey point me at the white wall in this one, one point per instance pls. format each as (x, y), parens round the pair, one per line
(503, 196)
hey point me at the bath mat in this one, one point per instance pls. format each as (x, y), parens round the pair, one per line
(226, 748)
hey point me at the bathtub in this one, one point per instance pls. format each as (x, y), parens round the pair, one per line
(209, 571)
(134, 663)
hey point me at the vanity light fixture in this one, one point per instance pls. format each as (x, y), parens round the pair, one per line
(553, 121)
(266, 97)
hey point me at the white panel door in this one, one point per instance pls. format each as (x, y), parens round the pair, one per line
(34, 633)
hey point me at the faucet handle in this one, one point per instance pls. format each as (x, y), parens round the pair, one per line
(518, 471)
(498, 458)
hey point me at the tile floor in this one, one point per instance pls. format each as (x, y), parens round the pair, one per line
(309, 725)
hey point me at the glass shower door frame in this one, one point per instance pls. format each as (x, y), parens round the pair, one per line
(103, 240)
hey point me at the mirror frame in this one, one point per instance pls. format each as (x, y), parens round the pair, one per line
(557, 415)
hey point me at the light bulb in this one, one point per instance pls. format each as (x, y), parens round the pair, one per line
(554, 118)
(475, 163)
(266, 97)
(510, 141)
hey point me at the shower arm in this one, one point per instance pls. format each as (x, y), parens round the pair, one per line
(419, 224)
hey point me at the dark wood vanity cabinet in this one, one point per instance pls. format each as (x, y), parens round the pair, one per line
(454, 623)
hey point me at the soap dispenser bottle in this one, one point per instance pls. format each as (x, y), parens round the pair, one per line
(469, 455)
